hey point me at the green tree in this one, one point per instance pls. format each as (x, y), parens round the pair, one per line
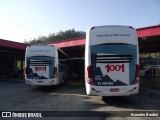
(61, 35)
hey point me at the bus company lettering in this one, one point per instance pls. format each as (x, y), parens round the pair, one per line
(110, 67)
(40, 68)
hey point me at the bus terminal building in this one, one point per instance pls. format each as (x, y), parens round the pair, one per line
(12, 54)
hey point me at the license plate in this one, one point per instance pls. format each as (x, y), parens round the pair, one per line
(40, 81)
(114, 90)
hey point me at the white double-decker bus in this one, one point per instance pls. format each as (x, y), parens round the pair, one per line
(42, 66)
(111, 61)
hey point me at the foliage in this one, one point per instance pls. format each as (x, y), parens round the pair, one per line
(157, 54)
(68, 34)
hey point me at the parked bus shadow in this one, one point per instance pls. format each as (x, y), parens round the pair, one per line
(61, 88)
(119, 101)
(51, 88)
(147, 99)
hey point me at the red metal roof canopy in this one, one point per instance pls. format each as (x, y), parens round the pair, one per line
(70, 43)
(148, 31)
(11, 44)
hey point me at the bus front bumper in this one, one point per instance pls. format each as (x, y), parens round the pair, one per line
(113, 90)
(41, 82)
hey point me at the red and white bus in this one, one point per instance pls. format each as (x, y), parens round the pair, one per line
(42, 66)
(111, 61)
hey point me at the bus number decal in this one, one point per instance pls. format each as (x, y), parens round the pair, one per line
(40, 68)
(114, 68)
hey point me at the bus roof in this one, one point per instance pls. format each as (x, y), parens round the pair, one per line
(41, 50)
(111, 34)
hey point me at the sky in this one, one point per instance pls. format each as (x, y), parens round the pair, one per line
(22, 20)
